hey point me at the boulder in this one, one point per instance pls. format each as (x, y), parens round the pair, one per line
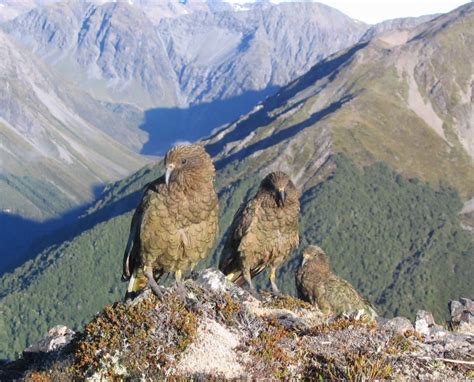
(462, 315)
(57, 338)
(426, 325)
(397, 325)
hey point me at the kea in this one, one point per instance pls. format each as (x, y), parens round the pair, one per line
(176, 222)
(316, 284)
(263, 233)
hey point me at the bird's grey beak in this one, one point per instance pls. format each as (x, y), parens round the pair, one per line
(169, 170)
(281, 197)
(304, 260)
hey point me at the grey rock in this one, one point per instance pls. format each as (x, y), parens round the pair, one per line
(216, 281)
(426, 325)
(397, 325)
(57, 338)
(456, 309)
(462, 315)
(437, 332)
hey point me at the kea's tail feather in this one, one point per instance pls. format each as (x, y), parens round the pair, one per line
(237, 278)
(137, 282)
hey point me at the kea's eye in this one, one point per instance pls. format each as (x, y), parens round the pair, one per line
(184, 161)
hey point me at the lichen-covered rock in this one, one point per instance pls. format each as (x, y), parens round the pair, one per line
(396, 325)
(213, 352)
(216, 330)
(216, 281)
(462, 315)
(426, 325)
(57, 337)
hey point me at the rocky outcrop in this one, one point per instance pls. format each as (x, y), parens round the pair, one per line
(218, 330)
(462, 315)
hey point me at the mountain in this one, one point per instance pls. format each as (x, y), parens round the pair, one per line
(224, 54)
(9, 9)
(192, 71)
(396, 24)
(56, 146)
(97, 47)
(56, 138)
(378, 139)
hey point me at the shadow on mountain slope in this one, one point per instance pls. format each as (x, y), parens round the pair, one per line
(330, 66)
(17, 235)
(282, 135)
(21, 238)
(167, 126)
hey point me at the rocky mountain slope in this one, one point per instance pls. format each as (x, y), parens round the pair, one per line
(9, 9)
(396, 24)
(58, 132)
(192, 72)
(217, 330)
(56, 144)
(377, 138)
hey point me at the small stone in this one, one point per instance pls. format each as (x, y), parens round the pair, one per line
(216, 281)
(468, 304)
(437, 333)
(424, 323)
(397, 325)
(455, 309)
(462, 315)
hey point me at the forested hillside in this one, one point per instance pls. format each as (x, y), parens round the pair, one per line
(397, 240)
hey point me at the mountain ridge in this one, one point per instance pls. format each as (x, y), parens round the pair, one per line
(180, 68)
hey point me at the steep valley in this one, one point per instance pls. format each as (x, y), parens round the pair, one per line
(58, 147)
(198, 68)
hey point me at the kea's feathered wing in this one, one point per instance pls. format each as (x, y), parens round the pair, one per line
(317, 284)
(264, 231)
(176, 222)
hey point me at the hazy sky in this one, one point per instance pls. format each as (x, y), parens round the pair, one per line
(373, 11)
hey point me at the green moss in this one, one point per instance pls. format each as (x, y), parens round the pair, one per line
(268, 347)
(285, 302)
(138, 334)
(400, 344)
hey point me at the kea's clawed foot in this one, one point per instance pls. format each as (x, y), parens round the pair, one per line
(156, 289)
(255, 294)
(181, 290)
(277, 293)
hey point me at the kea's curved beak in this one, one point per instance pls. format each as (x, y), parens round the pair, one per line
(281, 195)
(169, 170)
